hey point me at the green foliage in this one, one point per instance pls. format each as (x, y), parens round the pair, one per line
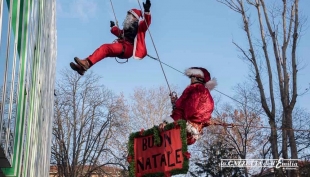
(210, 163)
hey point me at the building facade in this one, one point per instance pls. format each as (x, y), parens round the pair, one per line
(27, 77)
(105, 171)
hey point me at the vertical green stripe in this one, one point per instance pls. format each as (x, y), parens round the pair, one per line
(22, 13)
(20, 121)
(28, 142)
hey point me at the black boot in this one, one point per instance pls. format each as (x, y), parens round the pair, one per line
(85, 64)
(77, 68)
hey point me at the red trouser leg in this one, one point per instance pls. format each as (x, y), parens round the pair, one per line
(111, 50)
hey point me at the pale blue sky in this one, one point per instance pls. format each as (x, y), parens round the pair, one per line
(186, 33)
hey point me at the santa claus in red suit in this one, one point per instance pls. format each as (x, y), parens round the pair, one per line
(130, 42)
(195, 105)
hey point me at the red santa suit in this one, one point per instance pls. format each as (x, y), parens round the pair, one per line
(124, 48)
(196, 104)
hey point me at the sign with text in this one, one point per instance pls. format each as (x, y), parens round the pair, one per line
(164, 157)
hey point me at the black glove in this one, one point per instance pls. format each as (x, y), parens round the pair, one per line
(147, 6)
(112, 24)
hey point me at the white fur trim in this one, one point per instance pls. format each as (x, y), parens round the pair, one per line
(134, 14)
(169, 120)
(194, 72)
(211, 84)
(134, 50)
(147, 13)
(193, 131)
(137, 58)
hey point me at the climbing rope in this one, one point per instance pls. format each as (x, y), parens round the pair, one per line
(214, 89)
(226, 125)
(170, 93)
(114, 13)
(119, 34)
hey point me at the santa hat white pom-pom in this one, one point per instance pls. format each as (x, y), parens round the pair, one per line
(211, 84)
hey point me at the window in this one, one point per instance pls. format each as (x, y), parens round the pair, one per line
(9, 82)
(3, 62)
(3, 44)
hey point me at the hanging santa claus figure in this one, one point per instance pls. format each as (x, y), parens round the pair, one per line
(195, 105)
(130, 42)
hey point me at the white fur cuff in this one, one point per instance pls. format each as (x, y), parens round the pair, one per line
(168, 120)
(193, 131)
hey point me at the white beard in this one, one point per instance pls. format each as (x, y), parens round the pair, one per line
(128, 22)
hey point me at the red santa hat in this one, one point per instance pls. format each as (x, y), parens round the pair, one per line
(204, 74)
(136, 13)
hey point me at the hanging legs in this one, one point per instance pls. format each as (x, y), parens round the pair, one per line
(120, 49)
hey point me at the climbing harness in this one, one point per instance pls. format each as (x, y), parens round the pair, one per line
(120, 61)
(123, 50)
(120, 55)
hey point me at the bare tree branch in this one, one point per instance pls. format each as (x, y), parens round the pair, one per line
(86, 118)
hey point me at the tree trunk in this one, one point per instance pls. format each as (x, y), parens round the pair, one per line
(284, 137)
(282, 29)
(293, 146)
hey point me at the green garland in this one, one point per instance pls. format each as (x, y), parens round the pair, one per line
(155, 131)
